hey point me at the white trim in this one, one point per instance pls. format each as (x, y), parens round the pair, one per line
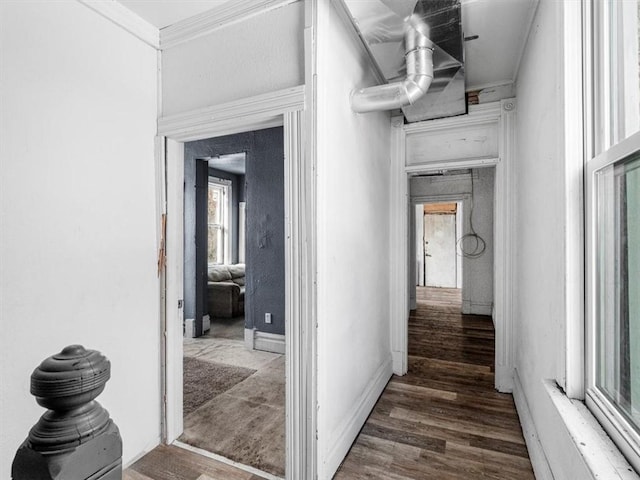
(253, 113)
(126, 19)
(161, 209)
(399, 245)
(627, 439)
(299, 264)
(214, 19)
(571, 374)
(248, 338)
(221, 459)
(264, 341)
(300, 298)
(538, 459)
(357, 416)
(601, 456)
(269, 342)
(503, 114)
(174, 294)
(474, 308)
(453, 164)
(226, 186)
(189, 328)
(504, 277)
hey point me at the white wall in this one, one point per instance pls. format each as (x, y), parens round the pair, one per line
(354, 354)
(477, 273)
(262, 54)
(77, 212)
(540, 234)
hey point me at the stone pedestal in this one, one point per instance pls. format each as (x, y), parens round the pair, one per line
(75, 439)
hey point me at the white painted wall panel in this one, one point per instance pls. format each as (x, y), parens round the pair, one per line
(262, 54)
(77, 212)
(354, 353)
(540, 233)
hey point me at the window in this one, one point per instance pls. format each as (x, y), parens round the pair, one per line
(218, 221)
(613, 221)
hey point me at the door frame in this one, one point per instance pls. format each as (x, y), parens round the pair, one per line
(461, 198)
(485, 136)
(282, 108)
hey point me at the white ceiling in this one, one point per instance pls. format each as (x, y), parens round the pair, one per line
(502, 27)
(492, 59)
(233, 163)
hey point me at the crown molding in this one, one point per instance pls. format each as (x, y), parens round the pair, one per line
(126, 19)
(214, 19)
(261, 111)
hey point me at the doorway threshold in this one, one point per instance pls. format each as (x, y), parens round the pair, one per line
(221, 459)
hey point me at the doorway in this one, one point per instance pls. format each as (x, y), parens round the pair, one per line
(234, 362)
(238, 117)
(437, 230)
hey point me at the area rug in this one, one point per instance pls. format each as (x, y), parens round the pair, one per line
(206, 380)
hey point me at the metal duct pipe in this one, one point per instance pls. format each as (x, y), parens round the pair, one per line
(419, 61)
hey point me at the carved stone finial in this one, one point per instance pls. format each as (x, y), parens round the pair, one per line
(75, 438)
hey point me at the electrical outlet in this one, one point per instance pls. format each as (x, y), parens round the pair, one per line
(267, 318)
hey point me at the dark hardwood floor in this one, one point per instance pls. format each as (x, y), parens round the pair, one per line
(167, 462)
(443, 420)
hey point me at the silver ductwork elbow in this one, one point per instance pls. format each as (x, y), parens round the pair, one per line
(419, 63)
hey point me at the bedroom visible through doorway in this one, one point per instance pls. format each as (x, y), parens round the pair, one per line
(234, 378)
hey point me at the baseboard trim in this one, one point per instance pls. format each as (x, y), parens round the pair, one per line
(248, 338)
(264, 341)
(269, 342)
(357, 417)
(538, 458)
(469, 307)
(190, 328)
(399, 367)
(504, 378)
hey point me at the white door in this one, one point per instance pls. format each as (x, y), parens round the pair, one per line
(440, 250)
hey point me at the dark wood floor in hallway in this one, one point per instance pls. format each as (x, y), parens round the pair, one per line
(443, 420)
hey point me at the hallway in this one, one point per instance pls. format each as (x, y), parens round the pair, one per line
(443, 420)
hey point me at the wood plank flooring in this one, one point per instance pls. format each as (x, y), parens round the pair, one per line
(443, 420)
(167, 462)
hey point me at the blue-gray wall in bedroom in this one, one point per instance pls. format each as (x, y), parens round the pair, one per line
(264, 194)
(265, 229)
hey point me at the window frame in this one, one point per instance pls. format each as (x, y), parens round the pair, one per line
(606, 143)
(615, 424)
(226, 208)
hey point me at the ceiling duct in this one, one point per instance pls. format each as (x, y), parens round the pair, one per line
(410, 40)
(419, 65)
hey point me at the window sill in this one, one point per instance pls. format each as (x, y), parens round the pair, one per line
(600, 454)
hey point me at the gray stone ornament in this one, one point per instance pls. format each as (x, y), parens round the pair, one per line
(75, 439)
